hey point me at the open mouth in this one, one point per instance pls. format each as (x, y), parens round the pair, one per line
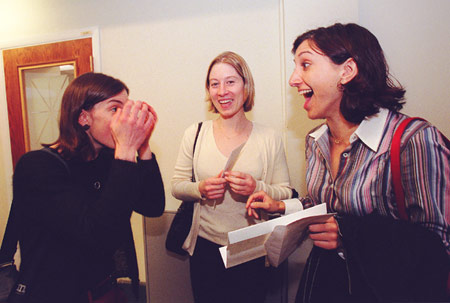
(307, 93)
(225, 101)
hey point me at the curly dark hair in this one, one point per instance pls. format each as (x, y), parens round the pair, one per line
(373, 87)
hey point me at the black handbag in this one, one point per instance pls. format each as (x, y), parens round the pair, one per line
(8, 278)
(182, 222)
(8, 270)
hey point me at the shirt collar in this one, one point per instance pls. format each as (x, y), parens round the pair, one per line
(370, 130)
(319, 132)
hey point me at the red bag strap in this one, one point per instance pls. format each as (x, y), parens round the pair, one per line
(397, 175)
(396, 167)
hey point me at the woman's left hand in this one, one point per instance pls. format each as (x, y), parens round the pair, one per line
(144, 150)
(325, 235)
(131, 127)
(240, 183)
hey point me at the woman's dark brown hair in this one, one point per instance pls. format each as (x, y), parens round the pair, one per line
(82, 94)
(372, 88)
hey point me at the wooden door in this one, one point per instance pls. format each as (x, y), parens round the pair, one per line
(23, 63)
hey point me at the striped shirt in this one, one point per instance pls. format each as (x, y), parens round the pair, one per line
(364, 181)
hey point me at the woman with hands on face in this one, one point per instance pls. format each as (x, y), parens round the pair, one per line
(366, 254)
(73, 201)
(219, 196)
(131, 125)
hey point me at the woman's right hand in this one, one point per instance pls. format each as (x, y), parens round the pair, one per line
(213, 188)
(261, 200)
(130, 126)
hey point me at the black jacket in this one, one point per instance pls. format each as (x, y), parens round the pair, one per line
(398, 260)
(72, 220)
(386, 260)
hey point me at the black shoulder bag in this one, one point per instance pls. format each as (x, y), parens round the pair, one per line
(8, 270)
(182, 222)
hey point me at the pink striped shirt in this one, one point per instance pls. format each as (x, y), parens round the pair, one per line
(364, 182)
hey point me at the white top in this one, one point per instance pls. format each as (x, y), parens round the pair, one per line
(262, 156)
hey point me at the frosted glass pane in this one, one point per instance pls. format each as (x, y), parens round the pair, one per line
(44, 88)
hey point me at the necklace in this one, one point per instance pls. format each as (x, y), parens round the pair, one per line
(335, 140)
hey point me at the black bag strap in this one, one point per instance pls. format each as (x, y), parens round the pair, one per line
(193, 149)
(11, 236)
(57, 156)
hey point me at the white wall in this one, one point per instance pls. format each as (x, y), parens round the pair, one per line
(415, 36)
(161, 49)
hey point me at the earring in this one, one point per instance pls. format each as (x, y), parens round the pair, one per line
(86, 127)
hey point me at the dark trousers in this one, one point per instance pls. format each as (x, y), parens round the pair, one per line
(212, 282)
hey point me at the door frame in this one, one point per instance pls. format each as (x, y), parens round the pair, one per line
(5, 143)
(90, 32)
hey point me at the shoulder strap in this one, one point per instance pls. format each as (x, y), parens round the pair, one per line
(57, 156)
(193, 149)
(397, 176)
(10, 238)
(396, 167)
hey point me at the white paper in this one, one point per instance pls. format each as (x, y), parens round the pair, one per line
(285, 239)
(243, 251)
(267, 226)
(278, 237)
(232, 159)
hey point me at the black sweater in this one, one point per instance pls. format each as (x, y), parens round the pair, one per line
(73, 220)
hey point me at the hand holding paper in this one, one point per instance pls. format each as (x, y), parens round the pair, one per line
(240, 183)
(212, 188)
(325, 235)
(232, 159)
(276, 238)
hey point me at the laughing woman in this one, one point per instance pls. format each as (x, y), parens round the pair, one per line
(220, 200)
(342, 74)
(73, 200)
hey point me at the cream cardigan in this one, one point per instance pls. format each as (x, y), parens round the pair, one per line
(275, 180)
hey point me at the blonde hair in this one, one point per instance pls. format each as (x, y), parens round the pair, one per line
(241, 67)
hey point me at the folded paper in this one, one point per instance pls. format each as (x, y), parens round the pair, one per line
(276, 238)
